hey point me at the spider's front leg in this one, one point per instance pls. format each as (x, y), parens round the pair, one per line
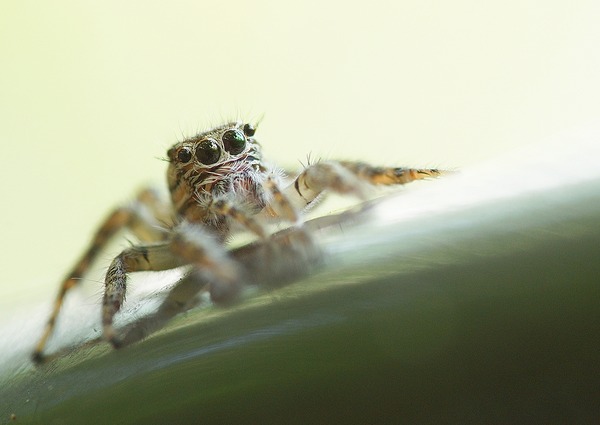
(190, 244)
(348, 178)
(144, 217)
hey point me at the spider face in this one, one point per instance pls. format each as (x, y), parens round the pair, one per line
(224, 161)
(214, 155)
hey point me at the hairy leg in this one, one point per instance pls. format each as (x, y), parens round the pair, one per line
(348, 178)
(284, 257)
(143, 217)
(190, 244)
(280, 205)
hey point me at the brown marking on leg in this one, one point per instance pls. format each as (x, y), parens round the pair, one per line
(348, 178)
(138, 258)
(389, 175)
(225, 208)
(120, 218)
(283, 206)
(117, 220)
(329, 176)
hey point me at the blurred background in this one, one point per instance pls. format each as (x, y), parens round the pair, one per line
(93, 93)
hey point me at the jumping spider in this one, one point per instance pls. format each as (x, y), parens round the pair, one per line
(217, 180)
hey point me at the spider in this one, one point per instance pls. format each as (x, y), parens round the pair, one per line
(219, 184)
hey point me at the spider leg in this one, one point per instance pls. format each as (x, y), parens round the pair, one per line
(389, 175)
(280, 205)
(182, 297)
(189, 245)
(161, 212)
(348, 178)
(284, 257)
(134, 259)
(296, 256)
(226, 208)
(141, 217)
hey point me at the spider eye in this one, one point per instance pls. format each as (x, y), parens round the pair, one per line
(234, 141)
(208, 152)
(249, 130)
(184, 155)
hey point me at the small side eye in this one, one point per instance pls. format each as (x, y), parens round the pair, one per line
(234, 141)
(208, 152)
(249, 130)
(184, 155)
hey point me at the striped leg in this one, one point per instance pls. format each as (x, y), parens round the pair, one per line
(182, 297)
(189, 245)
(139, 218)
(280, 205)
(389, 175)
(348, 178)
(137, 258)
(226, 208)
(285, 256)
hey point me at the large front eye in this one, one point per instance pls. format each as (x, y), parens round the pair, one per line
(234, 141)
(208, 152)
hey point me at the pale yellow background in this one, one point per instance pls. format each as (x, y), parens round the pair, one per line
(93, 92)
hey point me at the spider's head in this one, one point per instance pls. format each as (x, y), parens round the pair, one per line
(214, 154)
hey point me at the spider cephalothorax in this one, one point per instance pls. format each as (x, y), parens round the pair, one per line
(215, 178)
(224, 163)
